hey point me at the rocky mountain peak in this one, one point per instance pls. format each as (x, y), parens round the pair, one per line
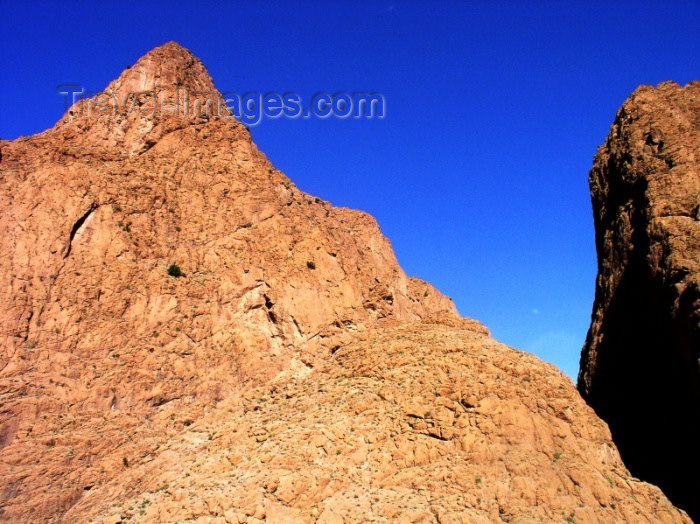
(187, 336)
(164, 90)
(167, 89)
(168, 66)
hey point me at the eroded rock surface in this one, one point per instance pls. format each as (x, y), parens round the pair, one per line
(289, 371)
(93, 213)
(431, 421)
(640, 367)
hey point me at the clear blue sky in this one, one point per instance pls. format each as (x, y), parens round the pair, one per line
(478, 173)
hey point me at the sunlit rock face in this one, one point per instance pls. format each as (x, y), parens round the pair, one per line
(186, 336)
(640, 367)
(93, 213)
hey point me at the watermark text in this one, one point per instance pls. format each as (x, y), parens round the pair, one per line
(250, 108)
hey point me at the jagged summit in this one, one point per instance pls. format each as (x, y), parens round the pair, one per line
(165, 90)
(168, 81)
(168, 66)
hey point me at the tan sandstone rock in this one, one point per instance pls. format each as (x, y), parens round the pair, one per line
(414, 422)
(104, 354)
(289, 371)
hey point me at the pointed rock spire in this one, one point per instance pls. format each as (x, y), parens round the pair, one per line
(166, 89)
(168, 67)
(168, 81)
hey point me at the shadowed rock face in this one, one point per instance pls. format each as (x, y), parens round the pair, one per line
(640, 364)
(289, 372)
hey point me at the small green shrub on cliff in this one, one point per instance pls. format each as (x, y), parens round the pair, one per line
(174, 270)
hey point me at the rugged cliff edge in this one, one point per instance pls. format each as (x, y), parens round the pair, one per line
(286, 370)
(94, 211)
(640, 367)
